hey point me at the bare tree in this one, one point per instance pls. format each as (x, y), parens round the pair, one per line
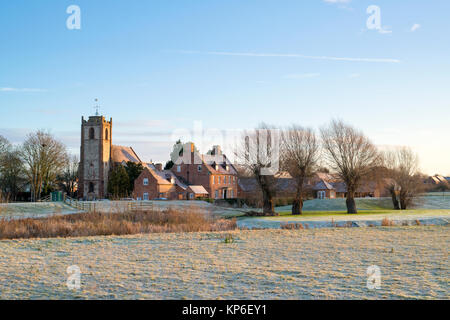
(299, 156)
(44, 158)
(351, 155)
(4, 145)
(11, 173)
(258, 155)
(69, 175)
(403, 166)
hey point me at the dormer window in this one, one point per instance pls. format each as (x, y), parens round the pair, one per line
(217, 167)
(227, 167)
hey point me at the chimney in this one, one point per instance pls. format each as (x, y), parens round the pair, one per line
(159, 166)
(217, 150)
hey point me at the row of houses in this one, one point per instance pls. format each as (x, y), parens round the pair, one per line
(210, 175)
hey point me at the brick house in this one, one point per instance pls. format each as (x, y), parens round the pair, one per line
(213, 171)
(155, 183)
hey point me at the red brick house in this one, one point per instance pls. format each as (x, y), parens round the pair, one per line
(212, 171)
(154, 183)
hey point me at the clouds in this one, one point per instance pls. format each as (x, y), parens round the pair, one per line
(415, 27)
(293, 55)
(9, 89)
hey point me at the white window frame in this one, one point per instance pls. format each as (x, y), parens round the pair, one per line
(216, 194)
(145, 182)
(178, 168)
(145, 196)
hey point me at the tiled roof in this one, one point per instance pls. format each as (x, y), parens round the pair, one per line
(197, 189)
(121, 154)
(210, 161)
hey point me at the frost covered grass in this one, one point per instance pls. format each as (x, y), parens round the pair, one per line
(98, 223)
(265, 264)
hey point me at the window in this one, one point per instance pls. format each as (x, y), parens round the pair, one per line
(145, 181)
(214, 179)
(199, 168)
(225, 180)
(191, 195)
(217, 194)
(234, 179)
(91, 187)
(91, 133)
(145, 196)
(106, 134)
(219, 179)
(229, 180)
(232, 194)
(178, 168)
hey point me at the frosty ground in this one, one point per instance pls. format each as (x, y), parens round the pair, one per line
(265, 264)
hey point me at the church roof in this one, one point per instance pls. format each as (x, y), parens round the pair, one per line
(120, 154)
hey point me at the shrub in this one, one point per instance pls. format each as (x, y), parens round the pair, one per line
(387, 223)
(102, 224)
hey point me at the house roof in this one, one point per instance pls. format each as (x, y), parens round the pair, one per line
(121, 154)
(323, 185)
(222, 162)
(164, 176)
(248, 184)
(197, 189)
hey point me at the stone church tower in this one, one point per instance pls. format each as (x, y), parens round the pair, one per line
(95, 157)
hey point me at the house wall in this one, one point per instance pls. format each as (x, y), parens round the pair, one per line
(192, 176)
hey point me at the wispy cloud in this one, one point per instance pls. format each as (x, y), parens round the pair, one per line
(292, 55)
(415, 27)
(302, 76)
(354, 75)
(8, 89)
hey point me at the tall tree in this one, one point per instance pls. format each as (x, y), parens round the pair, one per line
(258, 155)
(299, 155)
(69, 176)
(407, 184)
(351, 155)
(44, 158)
(118, 182)
(133, 170)
(11, 170)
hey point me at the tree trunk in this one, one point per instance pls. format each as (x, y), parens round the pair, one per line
(268, 207)
(297, 206)
(395, 200)
(351, 204)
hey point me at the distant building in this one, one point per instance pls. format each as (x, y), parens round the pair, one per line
(155, 183)
(433, 181)
(213, 171)
(97, 157)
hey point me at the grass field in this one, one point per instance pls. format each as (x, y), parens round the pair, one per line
(268, 264)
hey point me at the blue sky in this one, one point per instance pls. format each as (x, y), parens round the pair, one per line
(158, 66)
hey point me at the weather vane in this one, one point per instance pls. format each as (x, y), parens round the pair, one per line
(96, 107)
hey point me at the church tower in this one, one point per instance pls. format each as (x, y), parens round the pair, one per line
(95, 157)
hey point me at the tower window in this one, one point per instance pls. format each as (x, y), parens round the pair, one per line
(106, 134)
(91, 133)
(91, 187)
